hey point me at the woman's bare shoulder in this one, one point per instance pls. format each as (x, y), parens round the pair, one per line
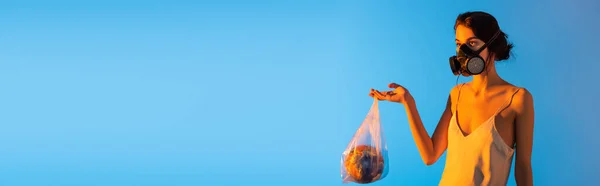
(456, 88)
(454, 95)
(520, 92)
(522, 98)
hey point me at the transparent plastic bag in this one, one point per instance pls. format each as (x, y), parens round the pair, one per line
(365, 159)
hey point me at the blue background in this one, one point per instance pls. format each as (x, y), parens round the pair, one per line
(268, 92)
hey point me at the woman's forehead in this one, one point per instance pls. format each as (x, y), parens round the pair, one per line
(464, 34)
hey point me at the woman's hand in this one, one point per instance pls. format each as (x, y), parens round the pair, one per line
(399, 94)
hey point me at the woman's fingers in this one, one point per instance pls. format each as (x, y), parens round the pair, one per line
(382, 95)
(390, 93)
(379, 95)
(393, 85)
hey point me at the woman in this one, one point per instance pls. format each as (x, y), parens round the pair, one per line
(486, 120)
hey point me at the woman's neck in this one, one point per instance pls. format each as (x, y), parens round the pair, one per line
(483, 82)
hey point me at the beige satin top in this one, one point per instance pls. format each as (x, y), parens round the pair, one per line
(481, 158)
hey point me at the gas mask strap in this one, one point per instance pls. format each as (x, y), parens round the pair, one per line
(457, 79)
(490, 41)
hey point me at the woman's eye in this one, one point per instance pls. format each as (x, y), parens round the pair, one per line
(472, 43)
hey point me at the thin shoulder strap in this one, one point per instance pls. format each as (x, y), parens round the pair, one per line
(458, 97)
(507, 103)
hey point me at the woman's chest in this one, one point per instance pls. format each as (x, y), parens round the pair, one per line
(493, 114)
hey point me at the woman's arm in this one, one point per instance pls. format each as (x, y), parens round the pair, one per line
(430, 148)
(524, 138)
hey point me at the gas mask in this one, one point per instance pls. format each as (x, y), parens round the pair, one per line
(468, 62)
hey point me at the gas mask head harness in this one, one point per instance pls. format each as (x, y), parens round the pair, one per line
(468, 62)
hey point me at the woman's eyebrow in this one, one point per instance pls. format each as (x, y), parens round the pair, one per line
(467, 39)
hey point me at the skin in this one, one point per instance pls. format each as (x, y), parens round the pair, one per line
(479, 100)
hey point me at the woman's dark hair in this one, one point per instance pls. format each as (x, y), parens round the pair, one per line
(484, 26)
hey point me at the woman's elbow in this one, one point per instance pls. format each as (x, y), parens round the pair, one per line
(429, 161)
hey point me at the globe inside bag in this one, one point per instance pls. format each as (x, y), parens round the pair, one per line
(365, 159)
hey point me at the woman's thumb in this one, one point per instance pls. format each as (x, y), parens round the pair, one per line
(393, 85)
